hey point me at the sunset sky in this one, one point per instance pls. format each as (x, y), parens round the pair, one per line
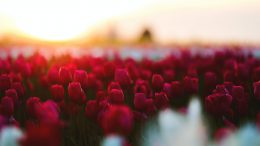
(169, 20)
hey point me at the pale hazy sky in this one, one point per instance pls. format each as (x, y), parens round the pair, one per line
(213, 20)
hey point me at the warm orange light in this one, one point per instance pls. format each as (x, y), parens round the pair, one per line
(62, 19)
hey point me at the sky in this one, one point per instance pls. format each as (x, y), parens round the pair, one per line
(169, 20)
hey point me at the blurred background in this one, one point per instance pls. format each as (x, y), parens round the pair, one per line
(134, 21)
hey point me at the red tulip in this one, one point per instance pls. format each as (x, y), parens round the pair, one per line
(161, 100)
(34, 107)
(91, 109)
(241, 100)
(140, 101)
(210, 80)
(113, 85)
(177, 90)
(168, 75)
(142, 86)
(99, 72)
(64, 75)
(42, 135)
(167, 88)
(116, 96)
(238, 92)
(190, 85)
(57, 92)
(101, 95)
(49, 112)
(92, 81)
(4, 66)
(5, 82)
(7, 106)
(18, 86)
(229, 76)
(222, 133)
(146, 74)
(109, 69)
(117, 120)
(53, 75)
(122, 77)
(13, 94)
(81, 77)
(150, 107)
(218, 103)
(157, 82)
(76, 93)
(243, 71)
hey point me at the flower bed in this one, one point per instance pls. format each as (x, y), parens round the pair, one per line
(77, 101)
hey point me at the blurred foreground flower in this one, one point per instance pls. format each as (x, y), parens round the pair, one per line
(9, 136)
(175, 129)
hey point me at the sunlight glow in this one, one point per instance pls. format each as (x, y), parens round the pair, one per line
(63, 20)
(170, 20)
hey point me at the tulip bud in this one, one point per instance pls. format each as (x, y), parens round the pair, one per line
(142, 86)
(19, 88)
(91, 109)
(57, 92)
(122, 77)
(150, 107)
(5, 82)
(4, 66)
(177, 90)
(139, 101)
(190, 85)
(238, 92)
(53, 76)
(157, 82)
(116, 96)
(44, 134)
(7, 106)
(228, 86)
(146, 74)
(13, 94)
(76, 93)
(34, 107)
(91, 81)
(168, 75)
(109, 69)
(210, 80)
(117, 120)
(161, 100)
(81, 77)
(101, 95)
(218, 104)
(65, 75)
(113, 85)
(243, 71)
(99, 72)
(222, 134)
(44, 81)
(241, 100)
(221, 89)
(167, 88)
(229, 76)
(50, 112)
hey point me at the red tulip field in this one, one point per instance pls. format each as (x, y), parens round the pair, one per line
(71, 100)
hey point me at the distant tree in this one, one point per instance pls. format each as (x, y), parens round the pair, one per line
(146, 36)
